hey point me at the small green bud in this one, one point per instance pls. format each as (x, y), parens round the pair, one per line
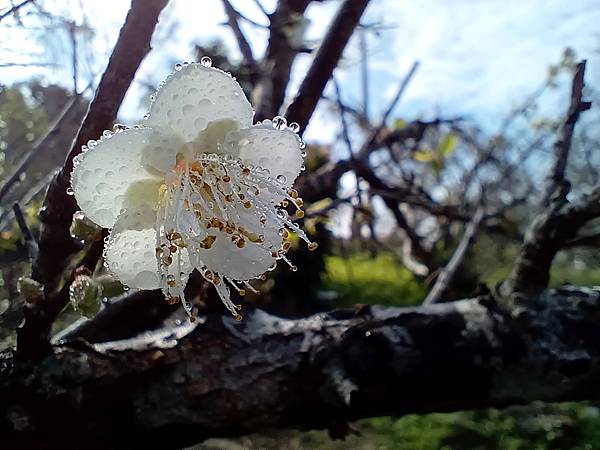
(30, 289)
(84, 295)
(83, 228)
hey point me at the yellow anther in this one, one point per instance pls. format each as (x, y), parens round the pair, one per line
(285, 203)
(242, 292)
(208, 275)
(226, 178)
(238, 317)
(167, 260)
(171, 281)
(159, 251)
(217, 280)
(208, 241)
(299, 214)
(313, 246)
(241, 243)
(247, 204)
(293, 193)
(245, 171)
(299, 202)
(286, 245)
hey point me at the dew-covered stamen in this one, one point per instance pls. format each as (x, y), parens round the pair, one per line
(211, 198)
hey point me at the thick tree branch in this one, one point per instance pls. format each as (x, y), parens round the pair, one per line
(550, 231)
(55, 243)
(219, 377)
(269, 92)
(326, 59)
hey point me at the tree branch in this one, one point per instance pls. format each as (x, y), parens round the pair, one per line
(219, 377)
(447, 274)
(55, 244)
(244, 46)
(563, 143)
(326, 59)
(550, 231)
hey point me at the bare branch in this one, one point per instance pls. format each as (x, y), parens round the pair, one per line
(14, 9)
(549, 232)
(269, 91)
(326, 59)
(563, 143)
(55, 129)
(244, 46)
(446, 275)
(28, 239)
(219, 377)
(55, 244)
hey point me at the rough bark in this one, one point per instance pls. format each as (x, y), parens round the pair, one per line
(219, 377)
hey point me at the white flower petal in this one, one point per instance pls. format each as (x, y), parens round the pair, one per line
(264, 146)
(130, 252)
(104, 173)
(246, 263)
(196, 95)
(162, 150)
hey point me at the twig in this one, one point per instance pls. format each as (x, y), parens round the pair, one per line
(14, 9)
(8, 214)
(326, 59)
(39, 146)
(563, 143)
(261, 7)
(28, 239)
(367, 147)
(447, 273)
(244, 46)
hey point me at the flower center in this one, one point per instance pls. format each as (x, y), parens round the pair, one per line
(213, 204)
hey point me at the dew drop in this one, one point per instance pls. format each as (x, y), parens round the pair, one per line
(281, 179)
(91, 144)
(294, 127)
(303, 154)
(107, 133)
(279, 123)
(178, 67)
(70, 191)
(206, 61)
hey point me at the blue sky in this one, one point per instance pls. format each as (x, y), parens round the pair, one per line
(478, 57)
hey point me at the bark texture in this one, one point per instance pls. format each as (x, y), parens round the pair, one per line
(218, 377)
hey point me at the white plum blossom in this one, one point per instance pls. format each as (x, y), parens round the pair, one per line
(195, 186)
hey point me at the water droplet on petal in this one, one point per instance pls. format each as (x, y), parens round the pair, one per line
(281, 179)
(206, 61)
(178, 66)
(107, 133)
(70, 191)
(294, 127)
(279, 123)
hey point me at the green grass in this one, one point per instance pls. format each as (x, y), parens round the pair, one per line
(361, 278)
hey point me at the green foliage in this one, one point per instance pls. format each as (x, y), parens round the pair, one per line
(361, 278)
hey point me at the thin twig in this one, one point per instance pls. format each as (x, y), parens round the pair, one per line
(447, 273)
(367, 147)
(232, 19)
(28, 239)
(563, 143)
(39, 146)
(14, 9)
